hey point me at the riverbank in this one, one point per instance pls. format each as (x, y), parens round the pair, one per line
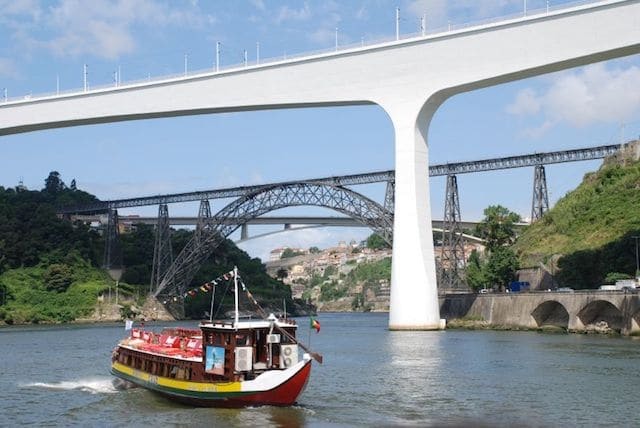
(475, 324)
(590, 311)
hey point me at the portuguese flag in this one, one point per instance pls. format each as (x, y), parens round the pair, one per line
(315, 324)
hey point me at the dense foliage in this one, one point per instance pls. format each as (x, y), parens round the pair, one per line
(50, 268)
(375, 242)
(290, 252)
(497, 227)
(498, 266)
(593, 228)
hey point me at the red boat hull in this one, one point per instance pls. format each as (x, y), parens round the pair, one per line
(284, 395)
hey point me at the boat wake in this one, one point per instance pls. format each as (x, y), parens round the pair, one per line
(93, 386)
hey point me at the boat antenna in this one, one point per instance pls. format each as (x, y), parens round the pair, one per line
(213, 295)
(235, 289)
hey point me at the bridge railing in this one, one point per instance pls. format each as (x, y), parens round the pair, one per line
(428, 33)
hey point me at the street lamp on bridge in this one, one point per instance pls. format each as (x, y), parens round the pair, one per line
(637, 260)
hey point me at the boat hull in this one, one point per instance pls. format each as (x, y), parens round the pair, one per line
(281, 389)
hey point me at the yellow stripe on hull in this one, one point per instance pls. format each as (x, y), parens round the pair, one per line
(184, 385)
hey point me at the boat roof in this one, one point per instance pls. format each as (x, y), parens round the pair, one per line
(247, 324)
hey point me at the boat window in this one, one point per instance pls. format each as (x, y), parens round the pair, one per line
(242, 340)
(217, 340)
(284, 339)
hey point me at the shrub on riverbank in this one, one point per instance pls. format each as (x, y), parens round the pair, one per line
(27, 299)
(592, 227)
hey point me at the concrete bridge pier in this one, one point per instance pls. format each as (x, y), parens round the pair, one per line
(634, 328)
(414, 293)
(575, 323)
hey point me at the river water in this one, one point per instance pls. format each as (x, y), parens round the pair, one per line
(59, 376)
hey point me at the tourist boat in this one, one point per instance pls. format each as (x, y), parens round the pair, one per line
(221, 364)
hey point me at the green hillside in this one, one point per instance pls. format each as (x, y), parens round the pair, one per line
(50, 268)
(592, 227)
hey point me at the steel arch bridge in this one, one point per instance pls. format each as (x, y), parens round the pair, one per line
(214, 231)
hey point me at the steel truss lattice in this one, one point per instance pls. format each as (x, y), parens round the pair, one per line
(204, 214)
(540, 202)
(112, 251)
(452, 259)
(357, 179)
(162, 250)
(390, 195)
(345, 201)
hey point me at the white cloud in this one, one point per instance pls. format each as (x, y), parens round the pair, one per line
(101, 28)
(289, 14)
(440, 12)
(125, 189)
(258, 4)
(23, 7)
(324, 36)
(526, 102)
(362, 14)
(580, 98)
(8, 68)
(538, 132)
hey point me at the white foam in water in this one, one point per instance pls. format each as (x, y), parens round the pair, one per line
(94, 385)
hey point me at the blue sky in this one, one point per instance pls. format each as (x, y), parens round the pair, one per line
(44, 44)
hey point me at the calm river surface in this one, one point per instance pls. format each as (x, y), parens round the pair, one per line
(59, 376)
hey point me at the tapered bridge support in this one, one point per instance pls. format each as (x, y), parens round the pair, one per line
(414, 295)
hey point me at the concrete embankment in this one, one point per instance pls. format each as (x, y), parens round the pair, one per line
(589, 311)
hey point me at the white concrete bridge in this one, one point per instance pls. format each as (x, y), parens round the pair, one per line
(409, 79)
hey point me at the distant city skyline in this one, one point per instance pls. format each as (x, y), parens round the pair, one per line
(46, 44)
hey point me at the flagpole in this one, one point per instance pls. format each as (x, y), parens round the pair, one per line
(235, 284)
(213, 295)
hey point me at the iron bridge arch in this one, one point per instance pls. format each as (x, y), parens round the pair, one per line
(213, 232)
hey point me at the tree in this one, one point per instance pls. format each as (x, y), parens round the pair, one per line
(375, 242)
(58, 277)
(474, 272)
(498, 227)
(612, 277)
(282, 273)
(53, 183)
(288, 252)
(501, 266)
(314, 250)
(73, 186)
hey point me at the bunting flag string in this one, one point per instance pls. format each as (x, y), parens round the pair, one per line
(208, 286)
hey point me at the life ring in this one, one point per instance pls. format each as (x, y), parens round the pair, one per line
(287, 351)
(287, 362)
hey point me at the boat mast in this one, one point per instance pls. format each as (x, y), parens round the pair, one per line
(213, 295)
(235, 285)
